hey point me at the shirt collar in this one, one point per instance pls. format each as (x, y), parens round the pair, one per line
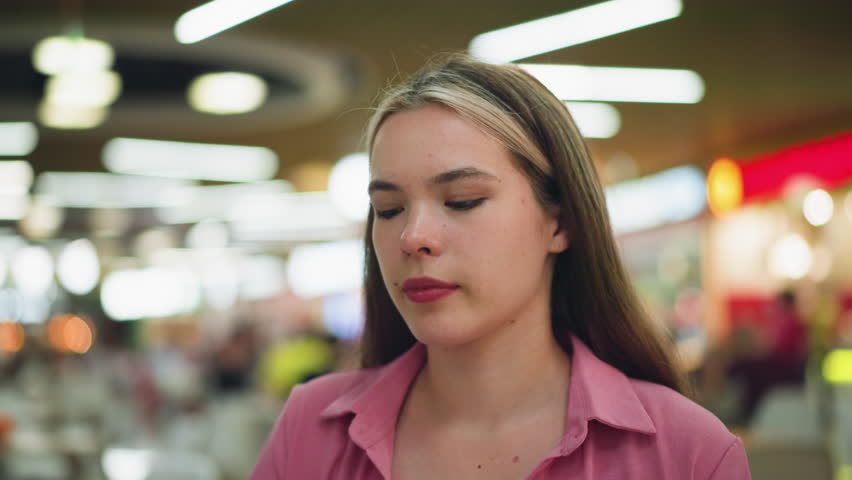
(598, 392)
(603, 393)
(376, 402)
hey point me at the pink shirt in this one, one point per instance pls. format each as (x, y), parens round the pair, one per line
(342, 426)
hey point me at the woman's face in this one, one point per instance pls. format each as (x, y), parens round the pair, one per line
(463, 246)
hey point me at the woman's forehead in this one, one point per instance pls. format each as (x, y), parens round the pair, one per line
(434, 138)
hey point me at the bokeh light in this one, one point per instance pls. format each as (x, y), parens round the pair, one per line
(78, 268)
(790, 257)
(12, 336)
(227, 93)
(70, 333)
(818, 207)
(32, 270)
(347, 186)
(724, 186)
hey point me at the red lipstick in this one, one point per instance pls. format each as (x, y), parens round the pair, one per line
(426, 289)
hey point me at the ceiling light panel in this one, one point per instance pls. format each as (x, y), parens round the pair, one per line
(203, 161)
(17, 139)
(571, 28)
(213, 17)
(618, 84)
(595, 120)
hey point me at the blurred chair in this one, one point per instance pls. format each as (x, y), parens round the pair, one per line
(787, 415)
(127, 463)
(786, 441)
(779, 462)
(182, 466)
(35, 466)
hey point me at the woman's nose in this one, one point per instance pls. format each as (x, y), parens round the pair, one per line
(421, 235)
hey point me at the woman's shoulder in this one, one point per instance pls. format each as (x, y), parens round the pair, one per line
(321, 391)
(679, 418)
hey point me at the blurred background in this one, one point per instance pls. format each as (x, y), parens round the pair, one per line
(182, 196)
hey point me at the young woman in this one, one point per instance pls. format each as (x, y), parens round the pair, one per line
(503, 339)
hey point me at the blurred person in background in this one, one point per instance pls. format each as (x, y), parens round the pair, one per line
(776, 360)
(234, 361)
(503, 338)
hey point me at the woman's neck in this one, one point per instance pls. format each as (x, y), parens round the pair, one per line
(517, 373)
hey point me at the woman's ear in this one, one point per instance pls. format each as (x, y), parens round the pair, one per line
(560, 240)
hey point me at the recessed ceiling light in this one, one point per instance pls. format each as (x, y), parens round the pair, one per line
(57, 54)
(227, 93)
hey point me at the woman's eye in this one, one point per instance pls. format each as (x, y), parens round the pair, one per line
(465, 204)
(389, 213)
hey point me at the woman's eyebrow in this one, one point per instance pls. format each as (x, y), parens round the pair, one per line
(441, 178)
(382, 186)
(459, 173)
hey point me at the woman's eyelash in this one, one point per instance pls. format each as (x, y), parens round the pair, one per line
(389, 213)
(457, 205)
(465, 204)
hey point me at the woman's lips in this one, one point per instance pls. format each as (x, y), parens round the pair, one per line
(427, 289)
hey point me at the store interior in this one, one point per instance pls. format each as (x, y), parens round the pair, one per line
(183, 196)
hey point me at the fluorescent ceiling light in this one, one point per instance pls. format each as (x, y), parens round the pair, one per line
(17, 139)
(197, 203)
(673, 195)
(97, 88)
(617, 84)
(13, 207)
(288, 217)
(571, 28)
(227, 93)
(70, 117)
(16, 177)
(595, 120)
(54, 55)
(203, 161)
(213, 17)
(105, 190)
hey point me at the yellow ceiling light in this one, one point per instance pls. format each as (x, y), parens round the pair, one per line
(227, 93)
(58, 54)
(724, 186)
(70, 117)
(96, 88)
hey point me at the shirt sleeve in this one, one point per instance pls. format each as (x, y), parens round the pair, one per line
(733, 465)
(272, 462)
